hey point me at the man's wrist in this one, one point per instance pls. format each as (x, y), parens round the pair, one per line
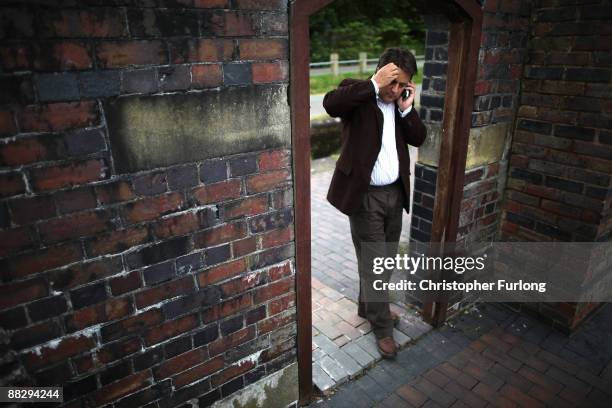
(406, 112)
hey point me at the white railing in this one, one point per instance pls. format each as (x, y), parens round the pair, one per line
(362, 63)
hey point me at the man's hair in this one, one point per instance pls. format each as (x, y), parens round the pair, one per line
(401, 57)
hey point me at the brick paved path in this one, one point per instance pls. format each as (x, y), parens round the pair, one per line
(343, 344)
(492, 357)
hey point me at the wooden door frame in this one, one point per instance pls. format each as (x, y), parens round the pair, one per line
(465, 17)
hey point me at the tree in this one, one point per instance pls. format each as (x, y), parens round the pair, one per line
(352, 26)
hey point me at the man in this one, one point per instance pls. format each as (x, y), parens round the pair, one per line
(371, 182)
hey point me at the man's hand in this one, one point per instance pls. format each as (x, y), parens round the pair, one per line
(385, 75)
(405, 104)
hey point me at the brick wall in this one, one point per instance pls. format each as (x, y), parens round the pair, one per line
(560, 176)
(500, 63)
(158, 284)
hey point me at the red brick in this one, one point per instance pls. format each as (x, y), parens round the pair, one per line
(412, 395)
(274, 322)
(177, 225)
(241, 284)
(211, 3)
(233, 371)
(482, 88)
(13, 294)
(152, 208)
(222, 191)
(14, 240)
(103, 312)
(247, 206)
(281, 304)
(227, 308)
(260, 49)
(273, 290)
(205, 50)
(281, 271)
(117, 241)
(244, 246)
(98, 22)
(67, 347)
(74, 226)
(15, 57)
(206, 76)
(11, 184)
(48, 258)
(509, 227)
(127, 283)
(75, 200)
(58, 116)
(277, 237)
(166, 291)
(68, 175)
(115, 192)
(273, 160)
(7, 124)
(220, 235)
(221, 272)
(180, 363)
(118, 389)
(264, 73)
(198, 372)
(112, 54)
(518, 396)
(62, 56)
(258, 183)
(171, 329)
(233, 340)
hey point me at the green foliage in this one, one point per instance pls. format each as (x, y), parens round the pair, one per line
(348, 27)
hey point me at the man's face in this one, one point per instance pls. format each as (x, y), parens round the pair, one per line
(393, 91)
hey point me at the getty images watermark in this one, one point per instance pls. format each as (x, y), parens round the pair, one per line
(458, 265)
(495, 272)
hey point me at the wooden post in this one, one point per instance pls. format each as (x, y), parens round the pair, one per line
(363, 62)
(335, 66)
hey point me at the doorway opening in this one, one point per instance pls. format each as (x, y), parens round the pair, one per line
(445, 106)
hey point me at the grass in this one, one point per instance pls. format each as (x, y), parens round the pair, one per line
(320, 84)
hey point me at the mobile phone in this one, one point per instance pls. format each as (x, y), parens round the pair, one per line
(405, 94)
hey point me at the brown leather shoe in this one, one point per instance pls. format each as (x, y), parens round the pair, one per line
(387, 347)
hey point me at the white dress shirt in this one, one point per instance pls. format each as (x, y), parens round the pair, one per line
(386, 168)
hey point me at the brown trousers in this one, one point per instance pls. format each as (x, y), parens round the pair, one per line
(379, 219)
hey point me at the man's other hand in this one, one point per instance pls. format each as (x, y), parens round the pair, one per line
(385, 75)
(405, 104)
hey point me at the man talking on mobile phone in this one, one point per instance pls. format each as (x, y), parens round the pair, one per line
(371, 181)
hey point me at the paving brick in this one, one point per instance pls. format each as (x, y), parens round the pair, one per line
(333, 369)
(321, 379)
(358, 354)
(325, 344)
(349, 364)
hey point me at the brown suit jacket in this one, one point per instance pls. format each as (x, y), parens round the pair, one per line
(354, 101)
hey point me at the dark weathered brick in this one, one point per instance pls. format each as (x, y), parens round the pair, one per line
(12, 319)
(206, 335)
(57, 87)
(180, 178)
(236, 74)
(217, 255)
(140, 81)
(88, 295)
(46, 308)
(159, 273)
(240, 166)
(588, 74)
(212, 171)
(158, 253)
(174, 78)
(98, 84)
